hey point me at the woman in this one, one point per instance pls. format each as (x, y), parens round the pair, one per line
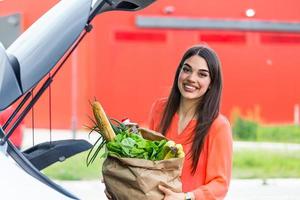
(190, 116)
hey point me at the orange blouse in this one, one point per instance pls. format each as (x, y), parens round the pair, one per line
(212, 177)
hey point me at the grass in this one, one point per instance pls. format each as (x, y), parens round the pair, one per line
(279, 133)
(266, 164)
(246, 164)
(75, 168)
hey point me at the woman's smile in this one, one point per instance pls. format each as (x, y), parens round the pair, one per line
(189, 88)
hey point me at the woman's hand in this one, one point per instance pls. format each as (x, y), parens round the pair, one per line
(170, 195)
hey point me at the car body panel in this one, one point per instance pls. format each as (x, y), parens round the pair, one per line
(17, 184)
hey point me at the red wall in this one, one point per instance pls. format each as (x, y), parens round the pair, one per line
(126, 67)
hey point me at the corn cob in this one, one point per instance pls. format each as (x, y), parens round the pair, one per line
(102, 122)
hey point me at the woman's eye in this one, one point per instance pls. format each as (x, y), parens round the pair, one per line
(185, 69)
(202, 75)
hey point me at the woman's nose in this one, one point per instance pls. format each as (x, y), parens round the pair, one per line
(192, 77)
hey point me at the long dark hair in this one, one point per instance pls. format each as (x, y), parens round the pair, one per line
(208, 107)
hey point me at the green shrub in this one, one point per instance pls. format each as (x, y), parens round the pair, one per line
(244, 129)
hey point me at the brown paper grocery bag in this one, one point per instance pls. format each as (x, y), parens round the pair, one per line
(131, 178)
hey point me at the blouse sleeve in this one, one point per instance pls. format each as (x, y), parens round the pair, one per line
(219, 165)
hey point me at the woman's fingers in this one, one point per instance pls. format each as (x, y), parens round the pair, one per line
(107, 194)
(105, 191)
(165, 190)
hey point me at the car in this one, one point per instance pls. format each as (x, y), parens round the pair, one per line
(25, 63)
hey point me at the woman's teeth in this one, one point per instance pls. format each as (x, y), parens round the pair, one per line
(189, 87)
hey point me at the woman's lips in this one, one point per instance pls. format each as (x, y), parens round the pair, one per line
(189, 88)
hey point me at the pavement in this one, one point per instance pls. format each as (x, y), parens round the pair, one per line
(258, 189)
(240, 189)
(237, 145)
(254, 189)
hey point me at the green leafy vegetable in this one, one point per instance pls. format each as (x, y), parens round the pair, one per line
(132, 145)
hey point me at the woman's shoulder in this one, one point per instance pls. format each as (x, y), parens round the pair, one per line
(159, 104)
(221, 122)
(156, 113)
(221, 129)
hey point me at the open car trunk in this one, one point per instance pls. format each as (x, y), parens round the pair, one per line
(50, 40)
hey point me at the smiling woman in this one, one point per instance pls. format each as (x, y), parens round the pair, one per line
(190, 116)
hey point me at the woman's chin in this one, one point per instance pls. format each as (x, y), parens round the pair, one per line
(190, 97)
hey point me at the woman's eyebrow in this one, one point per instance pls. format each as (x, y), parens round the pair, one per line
(187, 65)
(202, 70)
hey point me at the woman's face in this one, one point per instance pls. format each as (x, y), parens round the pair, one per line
(194, 78)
